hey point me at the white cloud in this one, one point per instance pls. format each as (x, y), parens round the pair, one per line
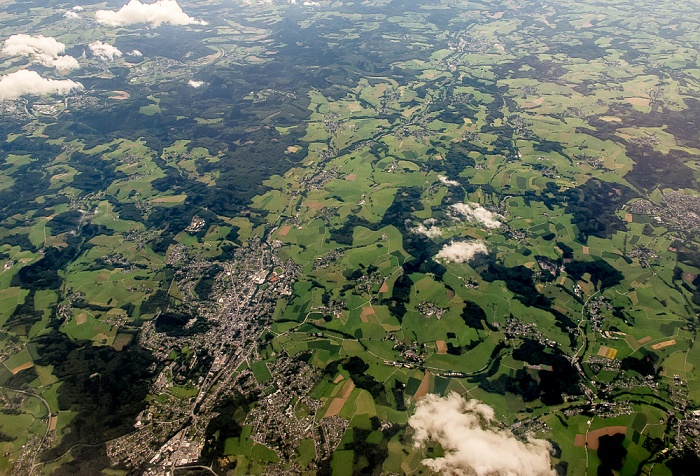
(429, 231)
(28, 45)
(461, 251)
(474, 211)
(136, 53)
(25, 82)
(195, 84)
(44, 50)
(473, 444)
(73, 12)
(447, 181)
(64, 62)
(155, 14)
(104, 51)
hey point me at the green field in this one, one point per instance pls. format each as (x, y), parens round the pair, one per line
(271, 229)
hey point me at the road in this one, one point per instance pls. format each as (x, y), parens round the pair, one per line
(582, 332)
(48, 423)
